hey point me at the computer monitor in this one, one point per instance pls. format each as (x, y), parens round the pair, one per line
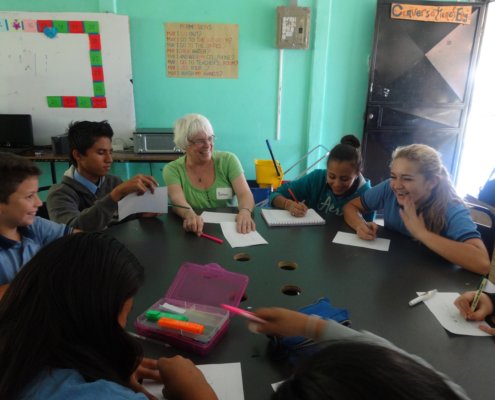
(16, 130)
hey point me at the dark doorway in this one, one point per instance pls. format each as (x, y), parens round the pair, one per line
(421, 79)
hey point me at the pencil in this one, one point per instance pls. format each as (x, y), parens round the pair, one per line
(273, 157)
(477, 296)
(179, 206)
(293, 196)
(213, 238)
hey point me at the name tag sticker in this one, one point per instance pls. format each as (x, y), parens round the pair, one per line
(224, 193)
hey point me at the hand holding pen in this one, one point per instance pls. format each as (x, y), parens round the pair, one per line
(193, 223)
(483, 309)
(367, 230)
(475, 305)
(295, 207)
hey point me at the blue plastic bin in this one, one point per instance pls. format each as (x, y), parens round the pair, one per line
(261, 195)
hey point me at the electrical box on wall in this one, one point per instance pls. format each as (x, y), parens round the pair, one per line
(293, 27)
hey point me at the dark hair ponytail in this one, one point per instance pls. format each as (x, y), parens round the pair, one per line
(348, 150)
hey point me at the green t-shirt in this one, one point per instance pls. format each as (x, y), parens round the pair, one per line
(219, 194)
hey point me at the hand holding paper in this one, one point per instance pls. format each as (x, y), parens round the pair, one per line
(148, 202)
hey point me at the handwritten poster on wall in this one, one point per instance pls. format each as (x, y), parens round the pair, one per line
(419, 12)
(202, 50)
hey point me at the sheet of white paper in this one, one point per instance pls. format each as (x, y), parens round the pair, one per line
(225, 379)
(442, 307)
(236, 239)
(351, 239)
(490, 287)
(149, 202)
(210, 217)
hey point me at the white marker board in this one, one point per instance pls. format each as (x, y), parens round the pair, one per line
(34, 66)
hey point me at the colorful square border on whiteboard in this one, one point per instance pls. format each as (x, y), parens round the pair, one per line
(92, 29)
(76, 102)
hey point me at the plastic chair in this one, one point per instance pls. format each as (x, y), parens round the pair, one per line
(485, 222)
(43, 210)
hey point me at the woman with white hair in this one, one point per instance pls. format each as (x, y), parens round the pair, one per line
(204, 178)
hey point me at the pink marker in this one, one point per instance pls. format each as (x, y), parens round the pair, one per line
(243, 313)
(211, 237)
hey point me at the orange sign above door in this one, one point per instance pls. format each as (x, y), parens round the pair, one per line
(417, 12)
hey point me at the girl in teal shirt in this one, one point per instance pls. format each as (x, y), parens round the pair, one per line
(327, 191)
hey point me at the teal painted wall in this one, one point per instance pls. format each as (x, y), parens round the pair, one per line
(50, 5)
(324, 87)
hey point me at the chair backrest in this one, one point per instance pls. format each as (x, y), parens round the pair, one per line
(485, 222)
(43, 211)
(487, 192)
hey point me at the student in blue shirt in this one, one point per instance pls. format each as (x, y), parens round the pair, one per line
(62, 329)
(327, 191)
(419, 201)
(22, 234)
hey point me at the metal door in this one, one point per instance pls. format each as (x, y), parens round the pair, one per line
(421, 79)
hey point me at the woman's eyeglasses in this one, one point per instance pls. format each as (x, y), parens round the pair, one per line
(202, 142)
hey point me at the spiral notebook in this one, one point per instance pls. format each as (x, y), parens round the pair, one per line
(284, 218)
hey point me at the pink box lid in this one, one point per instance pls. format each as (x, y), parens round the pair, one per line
(208, 284)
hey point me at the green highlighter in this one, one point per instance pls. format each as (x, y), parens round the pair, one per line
(155, 315)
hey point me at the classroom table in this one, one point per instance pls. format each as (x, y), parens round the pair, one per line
(374, 286)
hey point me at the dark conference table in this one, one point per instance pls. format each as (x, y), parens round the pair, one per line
(374, 286)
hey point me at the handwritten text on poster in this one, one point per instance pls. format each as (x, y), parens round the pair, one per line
(418, 12)
(202, 50)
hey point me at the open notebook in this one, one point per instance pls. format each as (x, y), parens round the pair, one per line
(284, 218)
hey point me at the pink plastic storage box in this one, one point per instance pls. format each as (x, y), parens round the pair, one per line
(198, 290)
